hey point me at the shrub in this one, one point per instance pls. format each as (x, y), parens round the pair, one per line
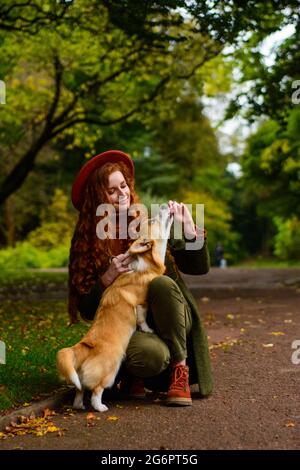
(57, 224)
(26, 256)
(287, 239)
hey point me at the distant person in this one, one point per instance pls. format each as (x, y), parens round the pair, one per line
(219, 254)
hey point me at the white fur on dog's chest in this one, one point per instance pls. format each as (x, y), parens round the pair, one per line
(139, 265)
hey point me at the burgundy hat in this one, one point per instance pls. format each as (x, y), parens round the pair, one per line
(111, 156)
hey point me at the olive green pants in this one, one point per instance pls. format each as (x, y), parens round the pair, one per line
(169, 315)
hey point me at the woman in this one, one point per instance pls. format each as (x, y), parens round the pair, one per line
(176, 354)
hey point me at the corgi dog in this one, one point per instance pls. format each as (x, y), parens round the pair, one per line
(94, 361)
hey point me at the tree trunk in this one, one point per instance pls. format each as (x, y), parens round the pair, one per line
(10, 228)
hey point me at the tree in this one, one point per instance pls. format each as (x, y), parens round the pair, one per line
(88, 70)
(188, 141)
(31, 15)
(271, 167)
(64, 83)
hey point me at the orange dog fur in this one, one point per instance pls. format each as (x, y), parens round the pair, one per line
(94, 361)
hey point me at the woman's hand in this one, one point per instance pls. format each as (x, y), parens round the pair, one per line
(119, 265)
(182, 215)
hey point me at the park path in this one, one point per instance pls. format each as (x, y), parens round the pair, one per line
(252, 319)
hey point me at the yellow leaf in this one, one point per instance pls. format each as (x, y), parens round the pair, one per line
(230, 316)
(112, 418)
(52, 429)
(269, 345)
(277, 333)
(90, 416)
(290, 425)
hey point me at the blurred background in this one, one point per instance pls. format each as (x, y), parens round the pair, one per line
(204, 96)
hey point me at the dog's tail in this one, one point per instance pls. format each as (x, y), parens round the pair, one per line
(65, 361)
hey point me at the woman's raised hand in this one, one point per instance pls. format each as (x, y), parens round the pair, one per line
(182, 215)
(119, 265)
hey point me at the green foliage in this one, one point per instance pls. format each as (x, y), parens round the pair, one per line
(271, 167)
(156, 176)
(188, 141)
(57, 224)
(25, 256)
(287, 239)
(76, 85)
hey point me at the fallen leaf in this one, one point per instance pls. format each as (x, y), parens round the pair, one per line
(288, 321)
(290, 425)
(112, 418)
(90, 416)
(37, 426)
(269, 345)
(205, 299)
(225, 344)
(277, 333)
(52, 428)
(230, 316)
(48, 412)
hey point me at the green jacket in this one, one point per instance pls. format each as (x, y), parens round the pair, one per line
(189, 262)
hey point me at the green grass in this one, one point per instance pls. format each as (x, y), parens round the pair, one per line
(33, 332)
(29, 279)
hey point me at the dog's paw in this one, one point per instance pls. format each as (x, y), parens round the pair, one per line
(97, 404)
(145, 328)
(100, 407)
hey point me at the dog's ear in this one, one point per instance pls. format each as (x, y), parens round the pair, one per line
(141, 245)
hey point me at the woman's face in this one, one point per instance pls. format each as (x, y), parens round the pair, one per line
(118, 191)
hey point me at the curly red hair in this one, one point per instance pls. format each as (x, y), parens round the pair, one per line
(89, 255)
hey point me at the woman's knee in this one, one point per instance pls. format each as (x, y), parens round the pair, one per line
(161, 285)
(148, 357)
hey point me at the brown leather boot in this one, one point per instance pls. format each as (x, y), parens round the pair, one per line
(132, 387)
(179, 393)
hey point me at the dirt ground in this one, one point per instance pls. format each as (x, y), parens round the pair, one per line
(252, 318)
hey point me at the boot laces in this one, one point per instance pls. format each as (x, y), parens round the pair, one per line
(179, 378)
